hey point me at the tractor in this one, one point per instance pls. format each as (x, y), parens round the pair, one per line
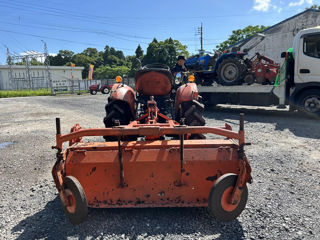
(232, 67)
(227, 69)
(157, 152)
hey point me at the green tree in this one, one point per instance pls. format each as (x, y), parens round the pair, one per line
(32, 62)
(240, 34)
(164, 52)
(63, 57)
(134, 63)
(314, 6)
(105, 72)
(83, 60)
(139, 52)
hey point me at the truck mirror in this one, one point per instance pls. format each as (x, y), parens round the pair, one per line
(283, 54)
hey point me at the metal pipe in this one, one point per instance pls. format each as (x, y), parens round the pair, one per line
(120, 163)
(181, 152)
(58, 126)
(241, 122)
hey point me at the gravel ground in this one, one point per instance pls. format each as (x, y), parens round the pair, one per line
(283, 200)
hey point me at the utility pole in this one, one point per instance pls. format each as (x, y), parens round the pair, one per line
(200, 32)
(47, 63)
(28, 75)
(9, 62)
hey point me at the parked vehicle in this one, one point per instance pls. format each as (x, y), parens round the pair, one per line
(151, 158)
(296, 85)
(104, 89)
(228, 68)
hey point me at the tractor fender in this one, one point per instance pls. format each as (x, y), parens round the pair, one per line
(94, 87)
(185, 93)
(122, 92)
(228, 55)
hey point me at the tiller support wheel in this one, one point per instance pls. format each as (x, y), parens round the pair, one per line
(75, 203)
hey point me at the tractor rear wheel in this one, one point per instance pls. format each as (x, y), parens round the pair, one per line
(93, 92)
(191, 112)
(117, 112)
(219, 205)
(105, 90)
(230, 72)
(76, 209)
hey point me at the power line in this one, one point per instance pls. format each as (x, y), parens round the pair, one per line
(67, 15)
(109, 34)
(59, 39)
(76, 14)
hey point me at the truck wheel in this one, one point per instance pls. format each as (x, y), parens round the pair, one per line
(105, 90)
(218, 203)
(76, 209)
(93, 92)
(309, 102)
(230, 72)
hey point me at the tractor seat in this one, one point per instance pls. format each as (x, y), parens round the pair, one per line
(154, 80)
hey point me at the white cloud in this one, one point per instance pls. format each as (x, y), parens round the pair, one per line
(299, 3)
(262, 5)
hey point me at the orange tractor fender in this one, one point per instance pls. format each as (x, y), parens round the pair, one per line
(185, 93)
(122, 92)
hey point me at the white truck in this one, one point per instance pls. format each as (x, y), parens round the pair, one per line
(298, 82)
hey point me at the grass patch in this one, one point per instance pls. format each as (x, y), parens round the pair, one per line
(29, 93)
(24, 93)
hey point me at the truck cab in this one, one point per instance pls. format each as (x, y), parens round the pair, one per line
(302, 78)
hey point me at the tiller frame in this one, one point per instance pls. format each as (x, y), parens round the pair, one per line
(153, 131)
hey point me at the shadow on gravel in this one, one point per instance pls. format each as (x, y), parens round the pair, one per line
(51, 223)
(297, 123)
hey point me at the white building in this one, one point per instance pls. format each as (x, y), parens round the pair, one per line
(279, 37)
(37, 77)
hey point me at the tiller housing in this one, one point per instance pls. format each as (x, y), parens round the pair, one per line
(155, 173)
(150, 160)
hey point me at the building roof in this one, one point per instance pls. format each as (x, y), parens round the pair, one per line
(248, 38)
(41, 67)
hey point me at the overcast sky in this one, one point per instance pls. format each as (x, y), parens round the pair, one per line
(123, 24)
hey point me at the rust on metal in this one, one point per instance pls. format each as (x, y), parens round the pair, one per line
(152, 173)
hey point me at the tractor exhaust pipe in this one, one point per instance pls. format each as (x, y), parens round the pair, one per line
(241, 122)
(58, 126)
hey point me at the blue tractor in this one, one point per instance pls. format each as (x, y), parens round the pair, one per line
(227, 69)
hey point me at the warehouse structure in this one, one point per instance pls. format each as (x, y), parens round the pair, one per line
(279, 37)
(35, 77)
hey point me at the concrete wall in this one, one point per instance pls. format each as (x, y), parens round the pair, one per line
(38, 75)
(280, 37)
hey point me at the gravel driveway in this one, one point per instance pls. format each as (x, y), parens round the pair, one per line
(283, 200)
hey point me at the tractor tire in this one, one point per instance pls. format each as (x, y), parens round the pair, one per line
(93, 92)
(191, 112)
(116, 111)
(218, 204)
(230, 72)
(249, 79)
(105, 90)
(309, 102)
(77, 211)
